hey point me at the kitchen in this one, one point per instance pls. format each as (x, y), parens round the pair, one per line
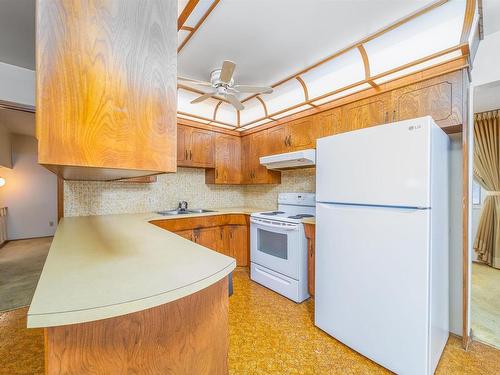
(173, 196)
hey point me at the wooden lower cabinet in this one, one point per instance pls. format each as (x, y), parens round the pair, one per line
(185, 336)
(213, 238)
(310, 230)
(227, 233)
(237, 237)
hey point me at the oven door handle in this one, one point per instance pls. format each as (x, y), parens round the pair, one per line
(288, 227)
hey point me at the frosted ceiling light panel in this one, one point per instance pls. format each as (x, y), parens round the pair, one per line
(181, 4)
(284, 96)
(198, 12)
(342, 71)
(343, 93)
(254, 110)
(434, 31)
(187, 117)
(258, 123)
(181, 35)
(418, 67)
(203, 109)
(226, 113)
(292, 111)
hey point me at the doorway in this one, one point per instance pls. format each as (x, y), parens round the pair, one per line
(485, 215)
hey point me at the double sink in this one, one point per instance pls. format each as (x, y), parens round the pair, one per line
(181, 211)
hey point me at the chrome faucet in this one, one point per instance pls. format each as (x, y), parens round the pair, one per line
(183, 206)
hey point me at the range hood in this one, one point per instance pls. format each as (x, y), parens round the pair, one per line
(289, 160)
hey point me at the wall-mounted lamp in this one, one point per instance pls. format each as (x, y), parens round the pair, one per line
(2, 181)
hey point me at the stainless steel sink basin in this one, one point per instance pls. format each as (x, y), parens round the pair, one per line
(199, 211)
(184, 212)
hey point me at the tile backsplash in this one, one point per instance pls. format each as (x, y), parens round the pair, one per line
(83, 198)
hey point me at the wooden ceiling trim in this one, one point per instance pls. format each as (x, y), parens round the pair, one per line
(442, 68)
(263, 104)
(205, 119)
(304, 87)
(215, 110)
(366, 64)
(199, 125)
(187, 28)
(186, 12)
(470, 11)
(376, 87)
(402, 21)
(238, 117)
(197, 26)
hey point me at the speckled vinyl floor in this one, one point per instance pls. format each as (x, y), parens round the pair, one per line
(268, 335)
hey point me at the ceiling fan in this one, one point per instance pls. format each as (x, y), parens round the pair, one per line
(222, 84)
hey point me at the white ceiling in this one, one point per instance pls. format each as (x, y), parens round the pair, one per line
(491, 16)
(17, 33)
(270, 40)
(487, 97)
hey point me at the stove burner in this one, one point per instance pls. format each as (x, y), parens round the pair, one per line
(300, 216)
(272, 213)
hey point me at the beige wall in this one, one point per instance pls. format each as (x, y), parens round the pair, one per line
(100, 198)
(5, 149)
(30, 192)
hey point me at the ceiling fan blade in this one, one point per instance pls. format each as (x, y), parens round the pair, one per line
(234, 101)
(202, 98)
(254, 89)
(227, 71)
(194, 81)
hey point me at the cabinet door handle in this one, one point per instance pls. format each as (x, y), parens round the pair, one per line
(187, 158)
(386, 117)
(216, 173)
(190, 155)
(394, 115)
(284, 141)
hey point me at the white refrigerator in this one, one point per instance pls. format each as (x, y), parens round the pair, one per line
(382, 242)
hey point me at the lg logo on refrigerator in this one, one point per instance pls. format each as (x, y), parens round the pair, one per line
(414, 127)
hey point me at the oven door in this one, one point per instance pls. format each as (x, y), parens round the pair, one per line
(274, 245)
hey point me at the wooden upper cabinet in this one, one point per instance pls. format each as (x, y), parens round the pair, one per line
(300, 135)
(195, 147)
(259, 146)
(277, 140)
(327, 123)
(294, 136)
(106, 97)
(227, 161)
(367, 112)
(246, 170)
(440, 97)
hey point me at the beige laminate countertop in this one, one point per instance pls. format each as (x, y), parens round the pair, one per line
(100, 267)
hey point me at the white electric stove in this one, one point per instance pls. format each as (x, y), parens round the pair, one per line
(278, 245)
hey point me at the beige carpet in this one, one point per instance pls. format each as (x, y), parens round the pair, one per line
(21, 263)
(485, 306)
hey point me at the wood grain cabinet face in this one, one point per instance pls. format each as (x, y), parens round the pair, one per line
(106, 87)
(238, 244)
(300, 135)
(365, 113)
(310, 231)
(258, 145)
(440, 98)
(327, 123)
(195, 147)
(227, 161)
(210, 237)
